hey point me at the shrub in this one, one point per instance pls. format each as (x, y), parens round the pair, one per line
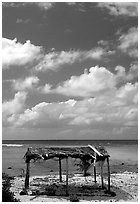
(7, 195)
(84, 164)
(51, 190)
(74, 198)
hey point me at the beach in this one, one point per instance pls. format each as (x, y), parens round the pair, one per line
(44, 176)
(124, 185)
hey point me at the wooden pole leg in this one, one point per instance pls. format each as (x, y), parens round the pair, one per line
(27, 176)
(67, 192)
(108, 167)
(60, 170)
(95, 174)
(102, 181)
(94, 169)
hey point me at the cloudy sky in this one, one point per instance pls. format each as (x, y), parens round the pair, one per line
(70, 70)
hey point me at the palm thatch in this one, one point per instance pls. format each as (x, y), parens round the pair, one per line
(83, 153)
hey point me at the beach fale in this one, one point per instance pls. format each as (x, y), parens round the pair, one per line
(94, 154)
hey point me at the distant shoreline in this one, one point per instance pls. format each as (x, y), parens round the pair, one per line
(72, 140)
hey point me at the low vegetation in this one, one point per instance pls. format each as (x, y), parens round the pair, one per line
(7, 195)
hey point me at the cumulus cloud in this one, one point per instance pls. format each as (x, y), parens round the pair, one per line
(45, 89)
(114, 110)
(88, 84)
(23, 21)
(45, 5)
(133, 71)
(55, 60)
(128, 42)
(13, 4)
(120, 8)
(18, 54)
(42, 5)
(13, 107)
(122, 77)
(96, 81)
(24, 84)
(28, 55)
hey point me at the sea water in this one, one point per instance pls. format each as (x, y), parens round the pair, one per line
(13, 151)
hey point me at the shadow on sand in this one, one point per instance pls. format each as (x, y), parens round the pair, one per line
(88, 192)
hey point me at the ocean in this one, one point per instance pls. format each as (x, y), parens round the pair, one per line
(123, 155)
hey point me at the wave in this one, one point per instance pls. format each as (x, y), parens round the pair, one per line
(12, 145)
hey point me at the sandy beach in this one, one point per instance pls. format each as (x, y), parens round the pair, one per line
(46, 187)
(125, 186)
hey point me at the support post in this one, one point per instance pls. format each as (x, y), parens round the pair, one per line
(27, 176)
(67, 176)
(102, 174)
(60, 170)
(94, 167)
(95, 174)
(108, 167)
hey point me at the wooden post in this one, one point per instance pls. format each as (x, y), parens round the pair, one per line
(27, 170)
(108, 174)
(102, 174)
(95, 174)
(94, 168)
(67, 176)
(60, 170)
(27, 175)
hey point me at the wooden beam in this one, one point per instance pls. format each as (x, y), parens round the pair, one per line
(108, 167)
(94, 167)
(102, 181)
(67, 176)
(95, 150)
(93, 157)
(60, 170)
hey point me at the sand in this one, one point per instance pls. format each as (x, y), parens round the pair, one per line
(125, 185)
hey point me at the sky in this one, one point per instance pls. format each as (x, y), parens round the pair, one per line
(69, 70)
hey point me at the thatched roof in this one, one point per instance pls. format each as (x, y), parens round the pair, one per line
(89, 152)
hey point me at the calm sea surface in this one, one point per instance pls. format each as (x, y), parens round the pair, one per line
(121, 151)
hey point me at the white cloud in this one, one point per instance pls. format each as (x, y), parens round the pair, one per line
(42, 5)
(55, 60)
(24, 84)
(128, 93)
(71, 3)
(28, 55)
(88, 84)
(120, 8)
(128, 42)
(18, 54)
(13, 107)
(96, 53)
(45, 5)
(45, 89)
(14, 4)
(95, 82)
(133, 71)
(109, 110)
(122, 77)
(24, 21)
